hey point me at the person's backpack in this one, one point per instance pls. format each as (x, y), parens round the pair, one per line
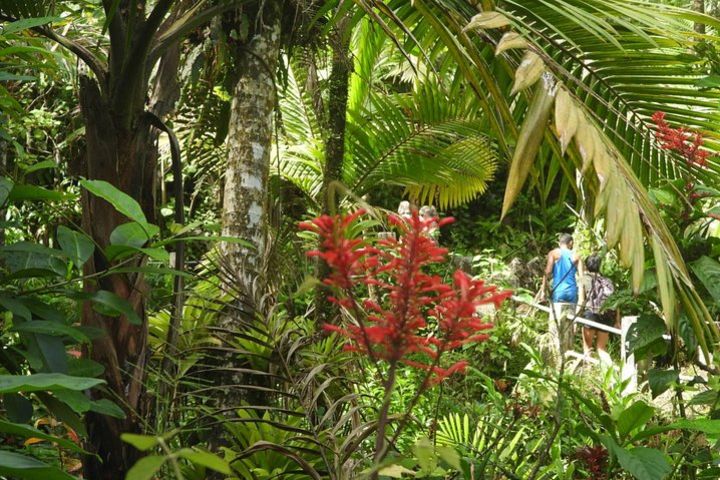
(600, 289)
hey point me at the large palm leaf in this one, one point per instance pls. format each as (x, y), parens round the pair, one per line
(596, 48)
(428, 140)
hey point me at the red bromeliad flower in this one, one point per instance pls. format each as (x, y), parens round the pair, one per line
(688, 144)
(395, 328)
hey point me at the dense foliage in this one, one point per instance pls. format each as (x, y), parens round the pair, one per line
(204, 272)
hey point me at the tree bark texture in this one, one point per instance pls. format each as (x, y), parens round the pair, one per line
(249, 144)
(338, 83)
(126, 159)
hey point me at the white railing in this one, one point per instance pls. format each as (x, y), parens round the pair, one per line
(628, 367)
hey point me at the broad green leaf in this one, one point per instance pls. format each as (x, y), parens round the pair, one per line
(6, 186)
(205, 459)
(644, 463)
(18, 466)
(52, 328)
(118, 252)
(708, 271)
(425, 455)
(529, 139)
(76, 245)
(122, 202)
(141, 442)
(25, 23)
(710, 427)
(17, 308)
(22, 192)
(107, 407)
(31, 256)
(84, 367)
(450, 456)
(633, 417)
(133, 234)
(660, 380)
(110, 304)
(145, 468)
(646, 335)
(26, 431)
(36, 167)
(18, 408)
(40, 382)
(708, 397)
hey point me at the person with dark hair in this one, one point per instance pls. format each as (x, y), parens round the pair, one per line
(599, 288)
(563, 265)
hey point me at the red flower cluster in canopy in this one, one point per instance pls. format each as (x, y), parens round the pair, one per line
(680, 140)
(395, 328)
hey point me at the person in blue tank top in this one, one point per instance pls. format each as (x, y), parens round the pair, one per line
(564, 266)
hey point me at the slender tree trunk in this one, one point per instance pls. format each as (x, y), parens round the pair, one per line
(699, 6)
(245, 200)
(126, 159)
(338, 82)
(249, 145)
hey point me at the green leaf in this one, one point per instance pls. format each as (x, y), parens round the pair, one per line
(646, 336)
(707, 397)
(708, 271)
(32, 193)
(117, 252)
(25, 23)
(112, 305)
(31, 256)
(6, 186)
(84, 367)
(107, 407)
(145, 468)
(205, 459)
(76, 245)
(17, 308)
(450, 456)
(40, 382)
(660, 380)
(18, 408)
(52, 328)
(133, 234)
(141, 442)
(644, 463)
(26, 431)
(23, 467)
(425, 455)
(39, 166)
(122, 202)
(633, 417)
(710, 427)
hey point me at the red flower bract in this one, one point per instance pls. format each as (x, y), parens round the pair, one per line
(680, 140)
(416, 317)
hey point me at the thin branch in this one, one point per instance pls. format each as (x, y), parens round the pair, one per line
(189, 21)
(93, 62)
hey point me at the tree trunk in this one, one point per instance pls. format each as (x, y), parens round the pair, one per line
(699, 6)
(334, 145)
(245, 202)
(126, 159)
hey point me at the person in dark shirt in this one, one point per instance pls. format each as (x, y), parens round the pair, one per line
(598, 289)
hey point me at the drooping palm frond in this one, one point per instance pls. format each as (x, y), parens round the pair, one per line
(597, 49)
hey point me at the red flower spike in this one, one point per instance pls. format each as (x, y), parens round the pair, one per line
(394, 328)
